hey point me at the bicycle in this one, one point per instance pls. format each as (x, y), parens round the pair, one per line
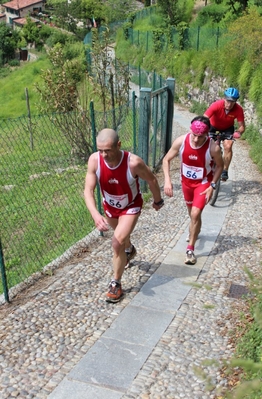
(218, 137)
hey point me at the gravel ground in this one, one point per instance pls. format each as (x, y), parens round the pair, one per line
(48, 328)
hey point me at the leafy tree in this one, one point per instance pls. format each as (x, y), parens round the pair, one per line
(8, 43)
(30, 31)
(66, 88)
(45, 32)
(176, 11)
(59, 91)
(85, 10)
(238, 6)
(118, 10)
(245, 38)
(59, 36)
(212, 13)
(93, 9)
(171, 10)
(109, 75)
(59, 95)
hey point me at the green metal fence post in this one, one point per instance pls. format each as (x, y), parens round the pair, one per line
(217, 36)
(93, 125)
(170, 113)
(134, 121)
(155, 119)
(198, 33)
(144, 126)
(89, 61)
(154, 81)
(3, 274)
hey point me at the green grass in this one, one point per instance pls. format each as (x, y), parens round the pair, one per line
(41, 196)
(254, 138)
(41, 221)
(12, 95)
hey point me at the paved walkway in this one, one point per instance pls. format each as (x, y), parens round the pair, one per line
(66, 342)
(110, 366)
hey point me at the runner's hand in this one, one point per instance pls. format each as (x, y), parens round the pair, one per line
(208, 193)
(168, 190)
(158, 205)
(236, 135)
(101, 223)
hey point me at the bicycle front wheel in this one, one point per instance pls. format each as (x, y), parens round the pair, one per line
(215, 194)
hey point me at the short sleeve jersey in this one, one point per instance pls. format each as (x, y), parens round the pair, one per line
(222, 120)
(196, 163)
(119, 188)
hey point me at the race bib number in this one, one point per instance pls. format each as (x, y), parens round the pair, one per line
(192, 172)
(116, 201)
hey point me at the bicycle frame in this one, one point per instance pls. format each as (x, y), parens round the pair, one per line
(218, 137)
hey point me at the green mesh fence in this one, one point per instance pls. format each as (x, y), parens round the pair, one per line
(200, 38)
(42, 207)
(158, 131)
(42, 169)
(112, 32)
(143, 78)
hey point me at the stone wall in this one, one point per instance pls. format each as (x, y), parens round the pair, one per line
(216, 87)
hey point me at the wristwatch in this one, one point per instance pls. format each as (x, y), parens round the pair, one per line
(213, 185)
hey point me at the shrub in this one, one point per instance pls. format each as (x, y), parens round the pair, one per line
(14, 62)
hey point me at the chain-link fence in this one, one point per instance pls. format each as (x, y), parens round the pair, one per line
(42, 213)
(200, 38)
(42, 169)
(143, 78)
(143, 13)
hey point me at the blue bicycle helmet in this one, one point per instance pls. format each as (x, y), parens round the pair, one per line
(231, 94)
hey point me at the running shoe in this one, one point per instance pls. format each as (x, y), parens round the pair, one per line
(130, 255)
(114, 292)
(224, 175)
(190, 257)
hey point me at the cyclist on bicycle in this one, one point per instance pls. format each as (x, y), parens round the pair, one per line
(222, 115)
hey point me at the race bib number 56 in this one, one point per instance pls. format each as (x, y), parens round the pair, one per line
(116, 201)
(192, 172)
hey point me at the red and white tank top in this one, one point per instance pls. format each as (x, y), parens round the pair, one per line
(196, 163)
(119, 188)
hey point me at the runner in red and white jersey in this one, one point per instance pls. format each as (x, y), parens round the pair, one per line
(120, 190)
(196, 163)
(197, 156)
(118, 172)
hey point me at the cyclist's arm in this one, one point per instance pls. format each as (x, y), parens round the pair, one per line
(241, 127)
(218, 159)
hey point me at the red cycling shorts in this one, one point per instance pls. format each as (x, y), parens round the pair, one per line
(192, 194)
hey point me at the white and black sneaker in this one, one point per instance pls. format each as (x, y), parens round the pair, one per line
(190, 257)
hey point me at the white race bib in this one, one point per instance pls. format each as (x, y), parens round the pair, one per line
(192, 172)
(117, 201)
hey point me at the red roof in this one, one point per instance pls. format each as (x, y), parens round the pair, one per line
(18, 4)
(22, 21)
